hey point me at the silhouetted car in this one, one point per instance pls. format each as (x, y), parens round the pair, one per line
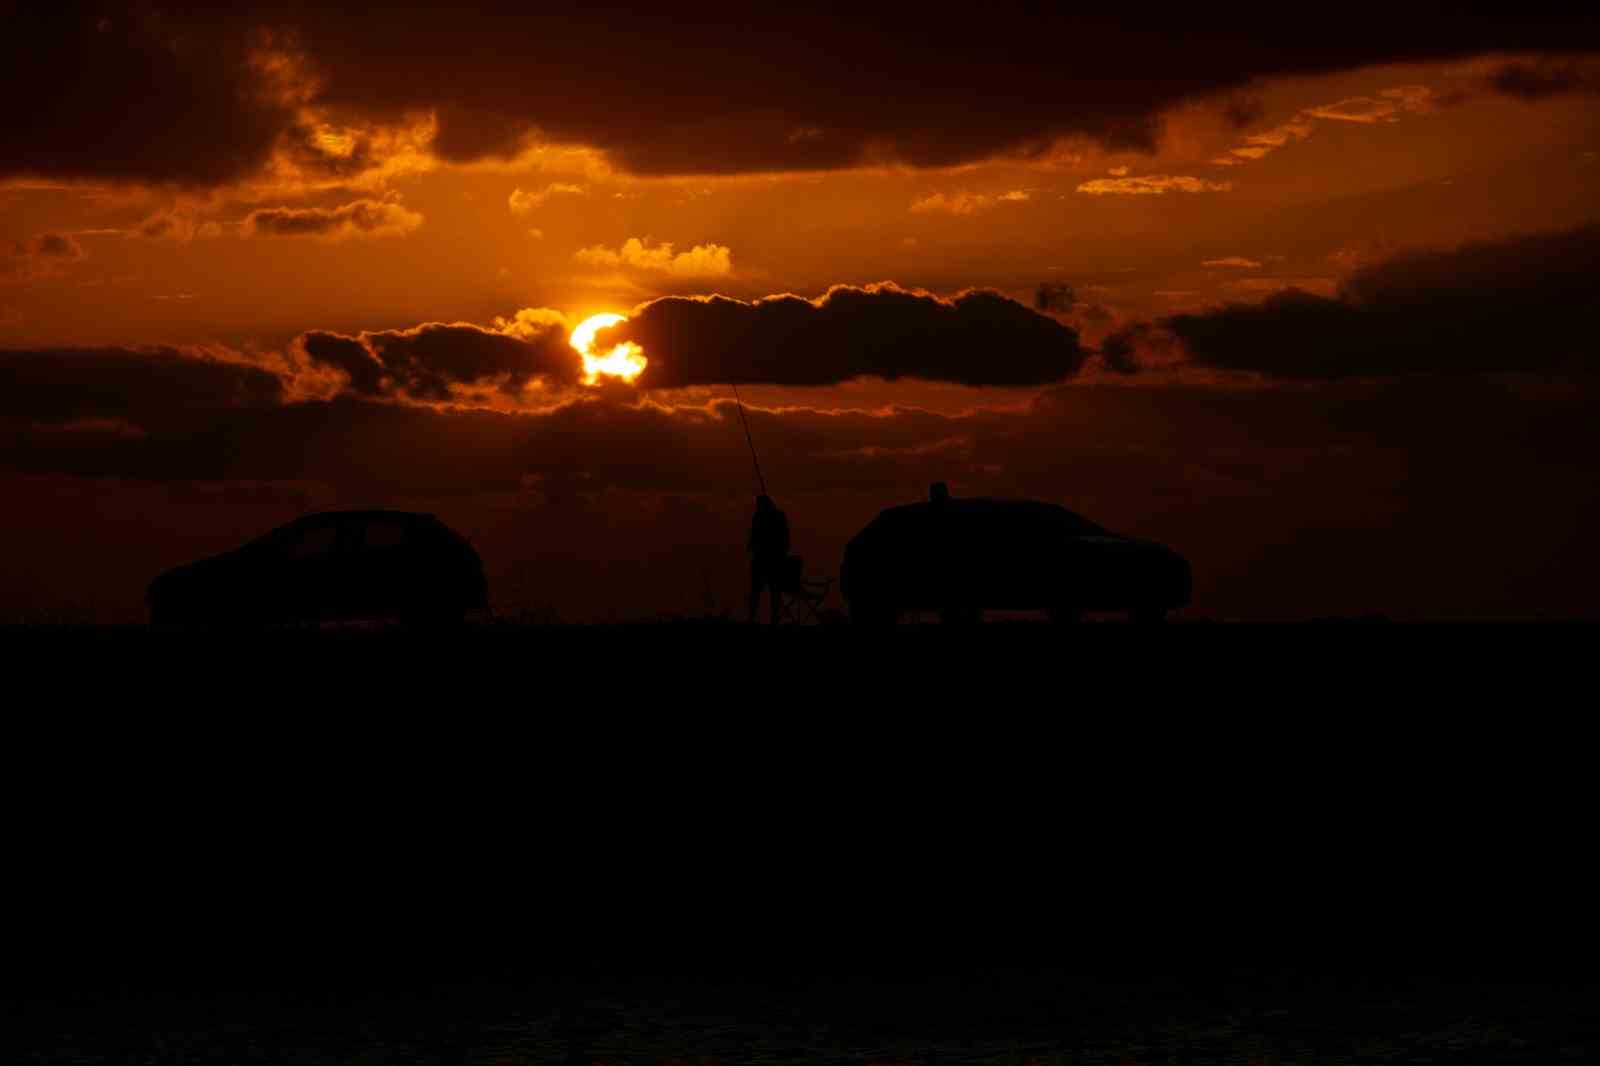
(961, 556)
(322, 567)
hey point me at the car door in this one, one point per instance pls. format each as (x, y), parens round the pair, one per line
(307, 575)
(1015, 556)
(382, 567)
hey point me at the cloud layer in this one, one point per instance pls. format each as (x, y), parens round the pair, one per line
(41, 256)
(701, 261)
(225, 95)
(966, 203)
(90, 387)
(1152, 185)
(974, 338)
(431, 362)
(522, 201)
(1519, 304)
(363, 218)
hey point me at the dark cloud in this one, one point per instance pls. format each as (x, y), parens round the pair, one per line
(1053, 296)
(37, 257)
(466, 133)
(1531, 82)
(1520, 304)
(976, 338)
(709, 94)
(56, 245)
(161, 224)
(131, 92)
(351, 355)
(426, 361)
(1119, 349)
(664, 89)
(175, 225)
(1242, 110)
(53, 386)
(371, 218)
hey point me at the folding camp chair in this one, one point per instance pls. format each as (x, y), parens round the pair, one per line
(802, 598)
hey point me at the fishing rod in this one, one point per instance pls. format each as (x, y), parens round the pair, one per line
(750, 441)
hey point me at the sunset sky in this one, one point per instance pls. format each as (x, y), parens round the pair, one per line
(1308, 294)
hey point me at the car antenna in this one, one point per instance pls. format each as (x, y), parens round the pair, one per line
(754, 458)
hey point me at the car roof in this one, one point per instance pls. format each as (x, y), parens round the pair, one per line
(985, 510)
(981, 505)
(399, 516)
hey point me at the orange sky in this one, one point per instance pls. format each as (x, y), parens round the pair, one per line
(361, 214)
(1448, 161)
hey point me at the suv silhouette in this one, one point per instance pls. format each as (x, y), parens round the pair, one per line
(961, 556)
(335, 565)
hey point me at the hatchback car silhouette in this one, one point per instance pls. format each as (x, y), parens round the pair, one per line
(962, 556)
(330, 566)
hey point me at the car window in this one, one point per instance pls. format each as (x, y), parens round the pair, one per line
(313, 543)
(1073, 524)
(384, 533)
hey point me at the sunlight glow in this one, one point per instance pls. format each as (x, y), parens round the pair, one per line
(625, 360)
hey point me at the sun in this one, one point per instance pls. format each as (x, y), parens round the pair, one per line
(625, 360)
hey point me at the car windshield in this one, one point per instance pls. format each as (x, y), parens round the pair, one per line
(286, 537)
(272, 539)
(1067, 522)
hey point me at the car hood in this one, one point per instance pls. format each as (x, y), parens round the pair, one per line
(1151, 550)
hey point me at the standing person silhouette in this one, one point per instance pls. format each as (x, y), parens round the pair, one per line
(769, 550)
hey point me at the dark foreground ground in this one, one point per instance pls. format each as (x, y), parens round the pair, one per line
(992, 1017)
(701, 843)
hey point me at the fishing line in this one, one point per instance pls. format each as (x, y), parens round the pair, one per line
(750, 441)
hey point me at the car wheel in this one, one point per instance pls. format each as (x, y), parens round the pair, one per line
(1064, 616)
(1147, 616)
